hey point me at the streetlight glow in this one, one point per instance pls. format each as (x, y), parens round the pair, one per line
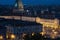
(33, 34)
(1, 37)
(12, 36)
(38, 20)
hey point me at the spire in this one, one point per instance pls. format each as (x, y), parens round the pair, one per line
(19, 5)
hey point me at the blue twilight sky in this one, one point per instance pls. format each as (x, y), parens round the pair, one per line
(32, 2)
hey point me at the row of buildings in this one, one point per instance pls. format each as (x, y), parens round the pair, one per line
(18, 28)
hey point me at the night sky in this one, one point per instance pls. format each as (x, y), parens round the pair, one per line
(31, 2)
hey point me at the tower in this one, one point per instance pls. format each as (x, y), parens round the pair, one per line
(19, 5)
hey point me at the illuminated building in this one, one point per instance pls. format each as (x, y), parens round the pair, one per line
(48, 24)
(2, 33)
(44, 16)
(24, 29)
(19, 6)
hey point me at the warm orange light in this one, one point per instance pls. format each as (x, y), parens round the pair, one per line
(38, 20)
(1, 37)
(42, 33)
(33, 34)
(13, 36)
(55, 32)
(6, 36)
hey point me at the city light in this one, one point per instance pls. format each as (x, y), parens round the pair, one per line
(33, 34)
(37, 19)
(6, 36)
(1, 37)
(29, 20)
(55, 32)
(27, 10)
(42, 33)
(13, 36)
